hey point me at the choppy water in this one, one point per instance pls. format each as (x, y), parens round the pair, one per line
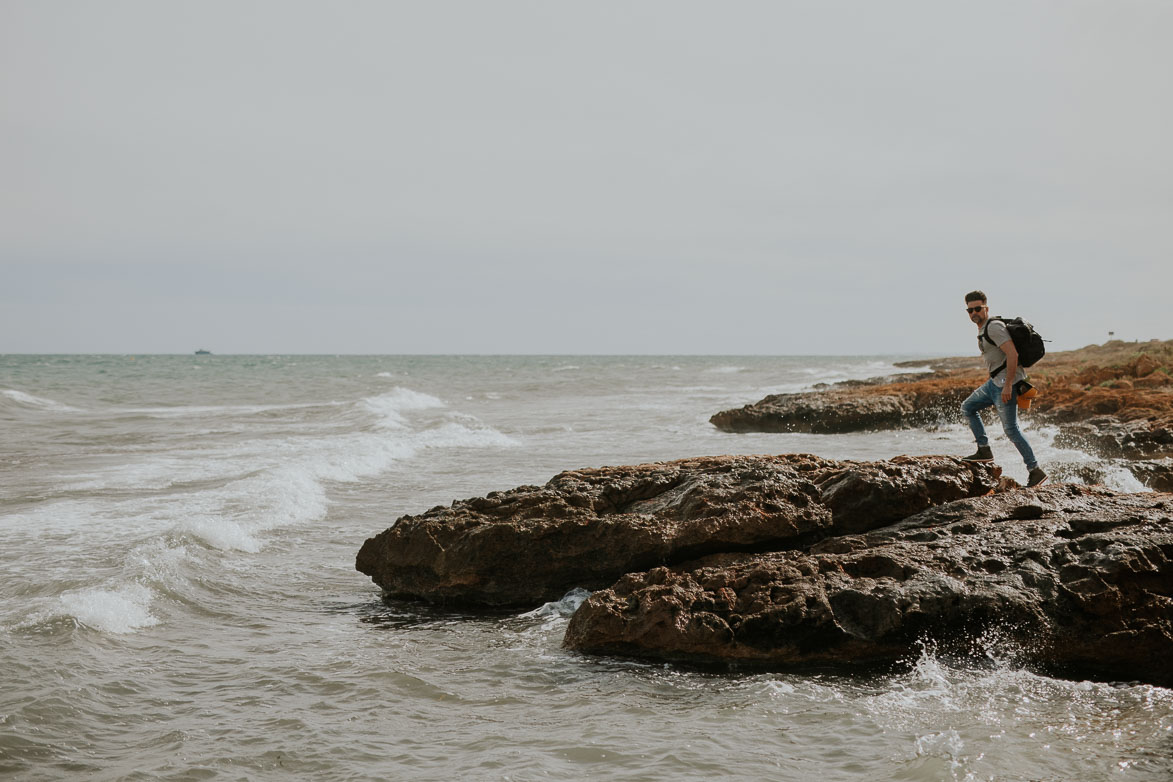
(179, 599)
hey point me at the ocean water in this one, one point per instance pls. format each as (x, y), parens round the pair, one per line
(179, 599)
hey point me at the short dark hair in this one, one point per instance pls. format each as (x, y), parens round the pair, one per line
(975, 296)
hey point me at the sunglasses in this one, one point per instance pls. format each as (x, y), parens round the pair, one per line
(972, 310)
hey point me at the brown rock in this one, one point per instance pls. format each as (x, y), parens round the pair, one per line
(588, 527)
(900, 404)
(1098, 376)
(1111, 437)
(1157, 474)
(1078, 578)
(1154, 380)
(827, 412)
(1143, 365)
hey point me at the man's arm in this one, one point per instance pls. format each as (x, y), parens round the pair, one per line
(1011, 352)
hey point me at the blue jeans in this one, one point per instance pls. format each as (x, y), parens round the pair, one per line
(990, 394)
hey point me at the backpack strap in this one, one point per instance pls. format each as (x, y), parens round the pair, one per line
(986, 337)
(986, 329)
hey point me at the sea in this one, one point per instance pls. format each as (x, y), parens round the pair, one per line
(178, 598)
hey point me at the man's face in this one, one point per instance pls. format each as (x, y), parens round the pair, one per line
(977, 311)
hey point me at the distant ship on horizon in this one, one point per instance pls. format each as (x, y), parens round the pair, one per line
(202, 352)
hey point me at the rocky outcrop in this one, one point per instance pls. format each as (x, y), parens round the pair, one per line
(1157, 474)
(1110, 437)
(586, 528)
(854, 409)
(1079, 581)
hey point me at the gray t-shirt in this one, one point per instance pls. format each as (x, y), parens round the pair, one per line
(993, 355)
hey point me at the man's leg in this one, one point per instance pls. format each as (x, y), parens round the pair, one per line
(979, 400)
(1009, 415)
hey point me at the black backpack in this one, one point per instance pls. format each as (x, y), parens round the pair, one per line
(1026, 340)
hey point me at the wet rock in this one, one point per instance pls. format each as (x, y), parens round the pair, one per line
(825, 412)
(1156, 474)
(586, 528)
(1078, 580)
(1110, 437)
(847, 409)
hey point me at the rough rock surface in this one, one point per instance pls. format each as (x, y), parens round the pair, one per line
(1157, 474)
(1111, 437)
(586, 528)
(1079, 579)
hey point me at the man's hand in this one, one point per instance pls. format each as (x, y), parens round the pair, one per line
(1011, 352)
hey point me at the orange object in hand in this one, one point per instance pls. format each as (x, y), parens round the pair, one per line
(1026, 392)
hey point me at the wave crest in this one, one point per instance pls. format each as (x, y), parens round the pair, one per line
(10, 397)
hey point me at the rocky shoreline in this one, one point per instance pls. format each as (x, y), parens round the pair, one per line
(795, 560)
(1114, 401)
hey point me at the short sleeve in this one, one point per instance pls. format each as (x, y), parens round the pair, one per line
(997, 332)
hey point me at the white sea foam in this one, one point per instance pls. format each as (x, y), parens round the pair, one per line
(159, 561)
(1122, 480)
(391, 406)
(945, 744)
(456, 435)
(239, 492)
(940, 754)
(261, 484)
(235, 516)
(161, 472)
(727, 370)
(563, 608)
(119, 610)
(181, 411)
(555, 614)
(22, 399)
(778, 688)
(56, 518)
(1070, 466)
(344, 455)
(222, 533)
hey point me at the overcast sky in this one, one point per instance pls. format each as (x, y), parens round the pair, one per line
(495, 176)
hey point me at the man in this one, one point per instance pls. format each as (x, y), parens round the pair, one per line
(1001, 360)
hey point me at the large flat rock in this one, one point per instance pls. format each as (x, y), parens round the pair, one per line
(1077, 579)
(896, 405)
(586, 528)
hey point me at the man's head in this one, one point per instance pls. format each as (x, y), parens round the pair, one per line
(975, 305)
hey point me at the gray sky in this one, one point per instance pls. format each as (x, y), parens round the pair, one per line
(602, 177)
